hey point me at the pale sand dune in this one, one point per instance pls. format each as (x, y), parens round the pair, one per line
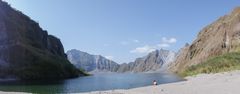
(220, 83)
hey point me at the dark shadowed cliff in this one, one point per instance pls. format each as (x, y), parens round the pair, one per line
(27, 51)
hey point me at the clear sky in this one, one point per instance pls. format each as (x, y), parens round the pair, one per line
(124, 29)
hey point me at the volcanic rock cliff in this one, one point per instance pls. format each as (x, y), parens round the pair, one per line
(157, 60)
(91, 63)
(27, 51)
(220, 37)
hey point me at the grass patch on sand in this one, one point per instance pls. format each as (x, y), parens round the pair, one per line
(222, 63)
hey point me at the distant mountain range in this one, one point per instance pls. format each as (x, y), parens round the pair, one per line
(157, 60)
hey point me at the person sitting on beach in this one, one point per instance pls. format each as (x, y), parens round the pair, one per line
(154, 82)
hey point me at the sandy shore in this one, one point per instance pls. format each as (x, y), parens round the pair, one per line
(1, 92)
(220, 83)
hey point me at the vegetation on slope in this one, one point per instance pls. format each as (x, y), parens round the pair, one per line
(222, 63)
(43, 65)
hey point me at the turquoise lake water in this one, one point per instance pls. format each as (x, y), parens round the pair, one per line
(98, 82)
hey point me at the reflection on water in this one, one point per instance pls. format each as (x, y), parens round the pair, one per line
(97, 82)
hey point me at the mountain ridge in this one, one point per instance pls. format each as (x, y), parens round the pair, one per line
(154, 61)
(220, 37)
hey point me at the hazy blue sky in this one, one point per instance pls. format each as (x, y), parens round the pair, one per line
(124, 29)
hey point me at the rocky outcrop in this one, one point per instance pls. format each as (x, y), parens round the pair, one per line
(91, 63)
(222, 36)
(157, 60)
(27, 51)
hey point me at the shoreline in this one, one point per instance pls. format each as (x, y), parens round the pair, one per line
(218, 83)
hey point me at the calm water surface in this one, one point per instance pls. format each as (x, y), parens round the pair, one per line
(98, 82)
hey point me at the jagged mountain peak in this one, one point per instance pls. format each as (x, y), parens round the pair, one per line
(154, 61)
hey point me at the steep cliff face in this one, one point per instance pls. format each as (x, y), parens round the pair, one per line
(154, 61)
(91, 63)
(222, 36)
(125, 67)
(27, 51)
(82, 60)
(104, 64)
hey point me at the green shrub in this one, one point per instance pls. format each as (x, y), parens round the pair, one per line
(222, 63)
